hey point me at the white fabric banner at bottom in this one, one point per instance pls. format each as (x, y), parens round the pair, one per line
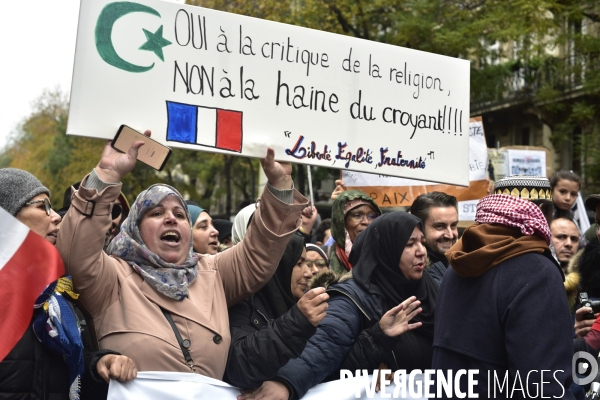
(181, 385)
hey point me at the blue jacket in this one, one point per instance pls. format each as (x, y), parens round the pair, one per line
(350, 338)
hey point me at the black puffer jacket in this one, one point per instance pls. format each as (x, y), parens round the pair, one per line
(29, 372)
(260, 345)
(268, 329)
(437, 270)
(350, 338)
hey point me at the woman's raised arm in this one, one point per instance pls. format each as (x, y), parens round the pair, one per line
(83, 229)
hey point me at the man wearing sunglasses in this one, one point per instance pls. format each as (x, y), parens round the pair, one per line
(119, 212)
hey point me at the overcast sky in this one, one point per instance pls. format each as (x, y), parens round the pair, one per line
(38, 47)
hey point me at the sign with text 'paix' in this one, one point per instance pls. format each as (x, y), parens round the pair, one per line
(212, 81)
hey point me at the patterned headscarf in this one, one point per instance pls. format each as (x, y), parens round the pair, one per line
(514, 212)
(172, 280)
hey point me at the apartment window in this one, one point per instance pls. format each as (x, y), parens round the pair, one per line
(525, 139)
(490, 140)
(578, 150)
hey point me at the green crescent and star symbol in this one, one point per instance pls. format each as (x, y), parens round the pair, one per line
(103, 33)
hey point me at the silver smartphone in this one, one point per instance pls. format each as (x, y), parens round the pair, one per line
(151, 153)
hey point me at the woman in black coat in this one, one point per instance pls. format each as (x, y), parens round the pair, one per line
(273, 326)
(374, 318)
(41, 365)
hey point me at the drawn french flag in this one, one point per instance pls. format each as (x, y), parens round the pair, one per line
(28, 263)
(204, 126)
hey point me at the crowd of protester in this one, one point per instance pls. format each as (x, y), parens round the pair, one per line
(275, 303)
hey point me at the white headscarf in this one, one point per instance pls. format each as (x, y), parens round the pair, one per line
(241, 222)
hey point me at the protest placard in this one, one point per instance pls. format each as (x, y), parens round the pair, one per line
(389, 191)
(207, 80)
(519, 160)
(526, 162)
(499, 164)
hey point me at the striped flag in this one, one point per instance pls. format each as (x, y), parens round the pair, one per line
(28, 263)
(204, 126)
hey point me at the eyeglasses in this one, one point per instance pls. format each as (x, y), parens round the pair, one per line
(319, 264)
(46, 202)
(358, 216)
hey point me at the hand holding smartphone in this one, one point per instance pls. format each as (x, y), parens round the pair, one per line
(151, 153)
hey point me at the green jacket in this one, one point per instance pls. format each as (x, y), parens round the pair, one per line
(338, 226)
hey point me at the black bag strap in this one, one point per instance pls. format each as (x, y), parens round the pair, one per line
(184, 344)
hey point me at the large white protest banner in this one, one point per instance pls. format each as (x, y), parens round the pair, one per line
(183, 386)
(391, 191)
(207, 80)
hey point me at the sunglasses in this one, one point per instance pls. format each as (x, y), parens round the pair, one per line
(116, 210)
(47, 204)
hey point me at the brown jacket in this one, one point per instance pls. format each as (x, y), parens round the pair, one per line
(126, 311)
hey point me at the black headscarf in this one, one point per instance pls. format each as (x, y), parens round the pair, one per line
(376, 258)
(276, 295)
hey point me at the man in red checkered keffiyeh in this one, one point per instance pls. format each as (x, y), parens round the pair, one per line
(505, 227)
(502, 305)
(513, 211)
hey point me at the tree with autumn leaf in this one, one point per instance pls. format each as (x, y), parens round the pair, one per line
(42, 147)
(544, 54)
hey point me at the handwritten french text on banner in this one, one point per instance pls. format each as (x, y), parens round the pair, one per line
(389, 191)
(207, 80)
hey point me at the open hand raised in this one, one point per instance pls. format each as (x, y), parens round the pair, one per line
(395, 321)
